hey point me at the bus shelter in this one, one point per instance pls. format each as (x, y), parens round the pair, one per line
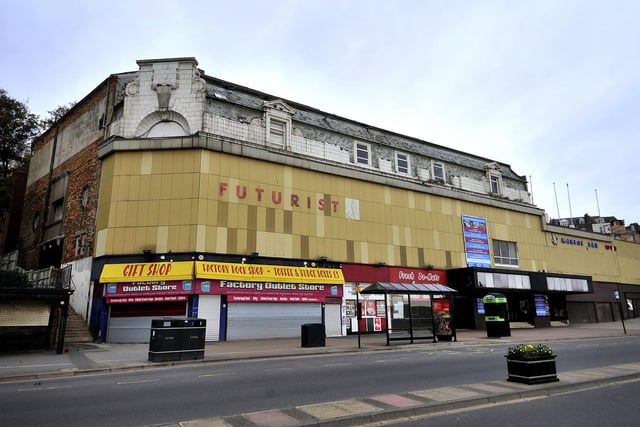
(416, 311)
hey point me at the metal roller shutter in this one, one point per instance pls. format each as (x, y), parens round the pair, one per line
(131, 323)
(209, 308)
(333, 320)
(269, 320)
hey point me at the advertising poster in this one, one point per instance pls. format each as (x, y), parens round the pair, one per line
(369, 308)
(542, 305)
(442, 316)
(476, 241)
(380, 309)
(350, 308)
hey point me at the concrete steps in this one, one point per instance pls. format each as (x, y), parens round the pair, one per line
(77, 330)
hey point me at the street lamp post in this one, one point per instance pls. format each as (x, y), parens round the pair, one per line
(617, 295)
(358, 310)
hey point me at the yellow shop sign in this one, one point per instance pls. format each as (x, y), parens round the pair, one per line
(146, 272)
(268, 273)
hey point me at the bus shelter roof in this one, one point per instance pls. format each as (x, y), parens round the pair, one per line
(407, 288)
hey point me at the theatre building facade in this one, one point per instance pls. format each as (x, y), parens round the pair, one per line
(173, 193)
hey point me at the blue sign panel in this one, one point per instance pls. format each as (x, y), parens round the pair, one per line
(476, 241)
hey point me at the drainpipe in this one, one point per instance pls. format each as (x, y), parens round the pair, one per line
(106, 110)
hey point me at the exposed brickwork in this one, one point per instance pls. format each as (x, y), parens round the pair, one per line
(79, 220)
(83, 168)
(30, 239)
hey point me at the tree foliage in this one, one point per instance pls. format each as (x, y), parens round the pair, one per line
(17, 129)
(56, 114)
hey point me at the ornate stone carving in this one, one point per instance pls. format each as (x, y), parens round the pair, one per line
(197, 83)
(133, 88)
(164, 96)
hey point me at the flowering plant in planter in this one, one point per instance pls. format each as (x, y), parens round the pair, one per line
(528, 351)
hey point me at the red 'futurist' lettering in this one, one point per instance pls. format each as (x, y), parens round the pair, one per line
(242, 192)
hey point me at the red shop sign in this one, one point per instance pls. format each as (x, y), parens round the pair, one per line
(268, 292)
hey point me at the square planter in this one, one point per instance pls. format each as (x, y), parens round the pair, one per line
(533, 370)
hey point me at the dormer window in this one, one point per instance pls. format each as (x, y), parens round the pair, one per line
(277, 132)
(494, 184)
(402, 163)
(437, 171)
(494, 177)
(362, 154)
(277, 116)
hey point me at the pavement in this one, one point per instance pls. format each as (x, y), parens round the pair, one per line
(100, 358)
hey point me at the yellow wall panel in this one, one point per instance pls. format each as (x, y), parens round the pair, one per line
(164, 211)
(118, 239)
(142, 214)
(137, 239)
(221, 243)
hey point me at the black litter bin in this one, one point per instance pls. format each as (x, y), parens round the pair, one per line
(176, 339)
(193, 339)
(312, 335)
(165, 341)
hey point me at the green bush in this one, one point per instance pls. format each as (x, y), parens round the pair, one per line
(13, 279)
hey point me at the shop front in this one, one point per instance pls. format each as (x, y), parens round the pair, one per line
(238, 301)
(376, 310)
(136, 293)
(533, 298)
(252, 301)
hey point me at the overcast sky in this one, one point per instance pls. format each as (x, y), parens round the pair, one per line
(551, 88)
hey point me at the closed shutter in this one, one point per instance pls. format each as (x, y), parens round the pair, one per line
(209, 309)
(269, 320)
(131, 323)
(333, 320)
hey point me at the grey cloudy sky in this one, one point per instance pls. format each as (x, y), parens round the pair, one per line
(550, 87)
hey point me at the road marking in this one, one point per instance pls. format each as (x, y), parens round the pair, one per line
(217, 374)
(135, 382)
(337, 364)
(38, 388)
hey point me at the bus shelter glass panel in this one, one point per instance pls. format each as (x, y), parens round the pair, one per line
(400, 324)
(421, 316)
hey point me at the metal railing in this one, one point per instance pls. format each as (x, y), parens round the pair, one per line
(51, 278)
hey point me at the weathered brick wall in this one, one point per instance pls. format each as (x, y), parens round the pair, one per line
(29, 238)
(71, 145)
(79, 220)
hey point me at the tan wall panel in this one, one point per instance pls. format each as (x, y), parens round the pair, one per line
(139, 237)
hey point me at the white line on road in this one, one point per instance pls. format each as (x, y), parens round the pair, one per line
(135, 382)
(38, 388)
(217, 374)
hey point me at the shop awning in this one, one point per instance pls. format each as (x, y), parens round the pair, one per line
(407, 288)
